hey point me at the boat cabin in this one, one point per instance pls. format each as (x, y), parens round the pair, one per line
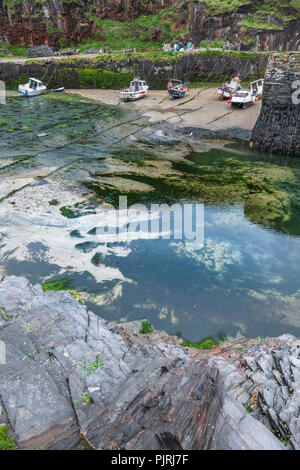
(35, 84)
(137, 85)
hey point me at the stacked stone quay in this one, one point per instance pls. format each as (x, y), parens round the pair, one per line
(278, 127)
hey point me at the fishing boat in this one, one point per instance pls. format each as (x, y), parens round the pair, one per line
(138, 89)
(227, 90)
(244, 99)
(177, 89)
(32, 88)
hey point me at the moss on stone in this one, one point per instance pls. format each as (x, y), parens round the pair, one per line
(208, 343)
(59, 285)
(146, 327)
(103, 79)
(269, 193)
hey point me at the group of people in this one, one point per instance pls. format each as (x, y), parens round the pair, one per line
(177, 47)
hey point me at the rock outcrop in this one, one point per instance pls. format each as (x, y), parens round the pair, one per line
(71, 377)
(31, 22)
(278, 127)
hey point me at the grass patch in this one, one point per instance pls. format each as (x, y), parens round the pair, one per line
(146, 328)
(6, 442)
(208, 343)
(11, 50)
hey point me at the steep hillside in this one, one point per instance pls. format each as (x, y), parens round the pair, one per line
(258, 24)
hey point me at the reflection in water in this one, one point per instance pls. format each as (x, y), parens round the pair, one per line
(245, 279)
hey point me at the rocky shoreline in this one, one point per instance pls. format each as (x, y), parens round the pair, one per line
(73, 380)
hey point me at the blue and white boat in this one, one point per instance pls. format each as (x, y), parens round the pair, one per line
(32, 88)
(177, 89)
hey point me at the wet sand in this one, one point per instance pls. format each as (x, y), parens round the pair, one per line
(199, 109)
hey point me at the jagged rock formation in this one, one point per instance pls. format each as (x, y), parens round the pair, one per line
(278, 127)
(258, 26)
(69, 375)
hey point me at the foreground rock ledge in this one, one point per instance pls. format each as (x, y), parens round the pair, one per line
(71, 378)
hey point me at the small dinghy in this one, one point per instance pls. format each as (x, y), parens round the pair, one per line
(177, 89)
(227, 90)
(138, 89)
(59, 90)
(32, 88)
(244, 99)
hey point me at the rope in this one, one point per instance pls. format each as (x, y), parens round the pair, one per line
(53, 73)
(150, 71)
(42, 79)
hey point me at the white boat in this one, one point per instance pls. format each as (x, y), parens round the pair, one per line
(244, 99)
(227, 90)
(32, 88)
(138, 89)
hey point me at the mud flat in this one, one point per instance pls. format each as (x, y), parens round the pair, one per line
(199, 110)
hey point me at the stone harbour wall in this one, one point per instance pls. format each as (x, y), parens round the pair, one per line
(115, 71)
(278, 127)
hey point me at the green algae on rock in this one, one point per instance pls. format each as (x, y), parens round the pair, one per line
(270, 193)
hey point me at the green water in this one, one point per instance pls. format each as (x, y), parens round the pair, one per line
(54, 187)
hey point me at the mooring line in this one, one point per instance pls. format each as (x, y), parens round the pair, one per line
(105, 148)
(224, 115)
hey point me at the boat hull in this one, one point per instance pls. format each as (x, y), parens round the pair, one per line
(242, 105)
(129, 96)
(177, 94)
(31, 94)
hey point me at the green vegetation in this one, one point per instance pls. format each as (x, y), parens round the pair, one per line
(220, 7)
(10, 50)
(146, 328)
(140, 34)
(59, 285)
(6, 442)
(103, 79)
(13, 83)
(86, 398)
(270, 193)
(66, 212)
(62, 285)
(208, 343)
(91, 368)
(77, 296)
(148, 31)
